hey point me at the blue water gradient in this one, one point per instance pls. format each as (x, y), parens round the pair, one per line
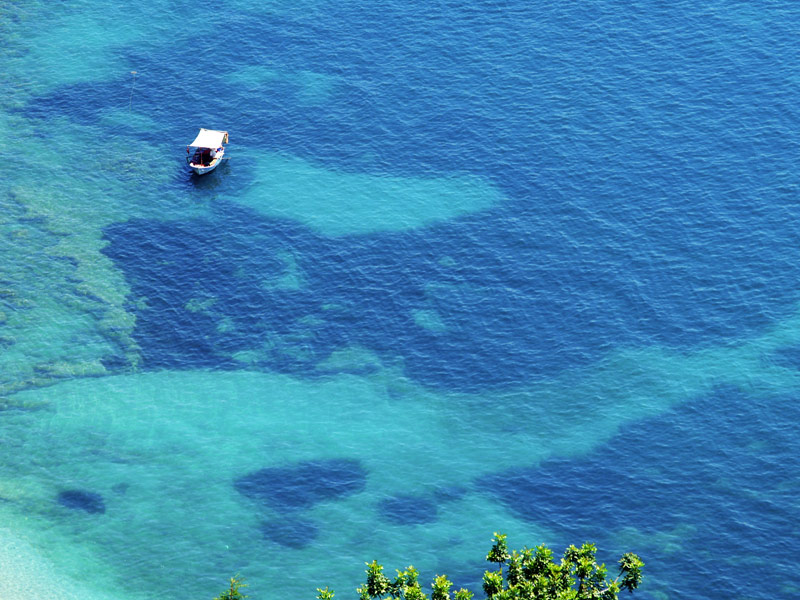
(649, 189)
(642, 163)
(726, 464)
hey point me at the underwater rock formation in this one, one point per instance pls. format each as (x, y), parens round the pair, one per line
(90, 502)
(408, 510)
(303, 484)
(290, 533)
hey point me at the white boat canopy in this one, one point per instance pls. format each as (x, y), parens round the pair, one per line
(210, 138)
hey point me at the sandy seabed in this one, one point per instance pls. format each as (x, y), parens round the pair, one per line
(27, 575)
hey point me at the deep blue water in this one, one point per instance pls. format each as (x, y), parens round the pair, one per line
(721, 463)
(647, 165)
(647, 158)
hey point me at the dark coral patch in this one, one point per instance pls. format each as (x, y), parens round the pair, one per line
(290, 533)
(303, 484)
(90, 502)
(408, 510)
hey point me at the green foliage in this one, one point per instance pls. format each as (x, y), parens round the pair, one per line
(440, 588)
(463, 594)
(630, 567)
(405, 580)
(406, 585)
(515, 573)
(324, 594)
(377, 584)
(499, 552)
(492, 583)
(234, 591)
(533, 574)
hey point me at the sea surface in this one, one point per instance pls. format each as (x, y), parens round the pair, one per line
(519, 266)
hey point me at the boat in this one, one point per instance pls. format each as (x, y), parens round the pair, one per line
(206, 151)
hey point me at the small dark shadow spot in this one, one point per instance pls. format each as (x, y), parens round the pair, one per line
(89, 502)
(449, 493)
(120, 488)
(408, 510)
(290, 533)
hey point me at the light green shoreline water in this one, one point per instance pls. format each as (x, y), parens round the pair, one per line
(164, 448)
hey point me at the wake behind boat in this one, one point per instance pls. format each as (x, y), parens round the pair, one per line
(208, 150)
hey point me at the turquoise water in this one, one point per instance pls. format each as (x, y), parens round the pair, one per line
(522, 267)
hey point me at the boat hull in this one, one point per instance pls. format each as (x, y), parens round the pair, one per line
(200, 170)
(203, 169)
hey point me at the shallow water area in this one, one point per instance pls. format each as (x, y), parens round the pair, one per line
(27, 574)
(338, 204)
(160, 447)
(171, 445)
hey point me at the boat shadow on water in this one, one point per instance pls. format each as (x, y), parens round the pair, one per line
(208, 181)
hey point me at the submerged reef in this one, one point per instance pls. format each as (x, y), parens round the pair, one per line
(90, 502)
(303, 484)
(408, 510)
(290, 532)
